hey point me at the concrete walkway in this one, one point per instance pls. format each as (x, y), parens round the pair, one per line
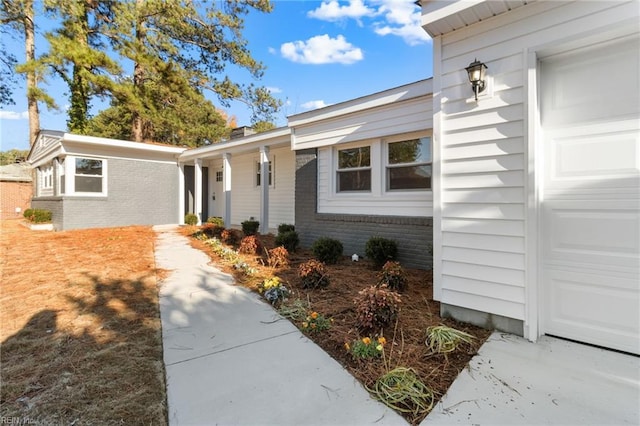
(515, 382)
(230, 360)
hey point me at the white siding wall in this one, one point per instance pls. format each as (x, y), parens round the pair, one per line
(245, 198)
(483, 208)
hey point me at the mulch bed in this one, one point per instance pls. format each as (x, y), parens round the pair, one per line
(406, 338)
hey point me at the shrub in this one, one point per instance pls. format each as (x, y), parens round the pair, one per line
(211, 230)
(327, 250)
(278, 257)
(284, 227)
(229, 236)
(250, 227)
(288, 240)
(316, 323)
(38, 215)
(313, 274)
(366, 347)
(216, 220)
(250, 245)
(393, 276)
(190, 219)
(376, 307)
(381, 250)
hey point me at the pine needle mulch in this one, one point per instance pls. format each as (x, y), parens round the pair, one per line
(80, 327)
(405, 346)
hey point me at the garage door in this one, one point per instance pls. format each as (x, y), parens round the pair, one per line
(590, 213)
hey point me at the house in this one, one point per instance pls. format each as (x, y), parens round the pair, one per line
(537, 183)
(15, 190)
(91, 182)
(363, 169)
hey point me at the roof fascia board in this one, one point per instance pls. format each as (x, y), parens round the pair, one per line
(436, 10)
(116, 143)
(402, 93)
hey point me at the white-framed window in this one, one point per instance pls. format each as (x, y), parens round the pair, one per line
(219, 174)
(89, 176)
(353, 169)
(408, 164)
(259, 173)
(46, 177)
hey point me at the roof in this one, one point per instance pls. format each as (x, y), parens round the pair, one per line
(18, 172)
(443, 16)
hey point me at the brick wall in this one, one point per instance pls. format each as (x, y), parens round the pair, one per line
(413, 234)
(12, 195)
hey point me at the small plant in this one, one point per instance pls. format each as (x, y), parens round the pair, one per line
(315, 323)
(250, 245)
(288, 239)
(278, 257)
(366, 347)
(211, 230)
(38, 215)
(273, 290)
(376, 307)
(190, 219)
(443, 340)
(250, 227)
(230, 237)
(313, 274)
(393, 276)
(327, 250)
(216, 220)
(381, 250)
(295, 311)
(284, 227)
(402, 390)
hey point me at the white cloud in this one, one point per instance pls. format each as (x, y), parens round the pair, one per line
(274, 89)
(313, 105)
(332, 11)
(13, 115)
(272, 50)
(322, 49)
(402, 18)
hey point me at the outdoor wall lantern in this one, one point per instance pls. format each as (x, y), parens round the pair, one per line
(476, 71)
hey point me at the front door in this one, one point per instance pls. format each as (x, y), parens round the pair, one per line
(590, 216)
(189, 191)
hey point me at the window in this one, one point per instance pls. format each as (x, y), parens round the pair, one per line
(88, 175)
(354, 169)
(219, 176)
(258, 179)
(46, 176)
(409, 164)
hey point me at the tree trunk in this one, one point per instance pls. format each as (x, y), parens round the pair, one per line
(32, 81)
(138, 73)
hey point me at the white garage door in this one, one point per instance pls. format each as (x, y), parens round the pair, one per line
(590, 112)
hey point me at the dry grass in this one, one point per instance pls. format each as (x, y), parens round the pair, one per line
(406, 347)
(80, 327)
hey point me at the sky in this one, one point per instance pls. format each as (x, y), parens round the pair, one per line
(317, 53)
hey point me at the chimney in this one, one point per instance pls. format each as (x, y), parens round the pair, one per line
(240, 132)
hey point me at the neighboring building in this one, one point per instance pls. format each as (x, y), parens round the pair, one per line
(363, 169)
(16, 190)
(537, 183)
(90, 182)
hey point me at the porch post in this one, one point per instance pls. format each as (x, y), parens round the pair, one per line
(226, 184)
(197, 202)
(264, 189)
(181, 194)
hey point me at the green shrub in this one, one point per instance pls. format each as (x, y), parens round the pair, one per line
(190, 219)
(376, 307)
(38, 215)
(381, 250)
(313, 274)
(284, 227)
(327, 250)
(393, 276)
(250, 227)
(288, 240)
(216, 220)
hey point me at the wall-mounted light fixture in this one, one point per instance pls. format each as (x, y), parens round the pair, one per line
(476, 71)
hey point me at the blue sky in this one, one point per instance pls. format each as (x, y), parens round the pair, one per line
(317, 53)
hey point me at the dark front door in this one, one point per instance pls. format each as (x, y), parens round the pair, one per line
(189, 191)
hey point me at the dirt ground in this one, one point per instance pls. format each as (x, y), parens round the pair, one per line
(80, 327)
(406, 339)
